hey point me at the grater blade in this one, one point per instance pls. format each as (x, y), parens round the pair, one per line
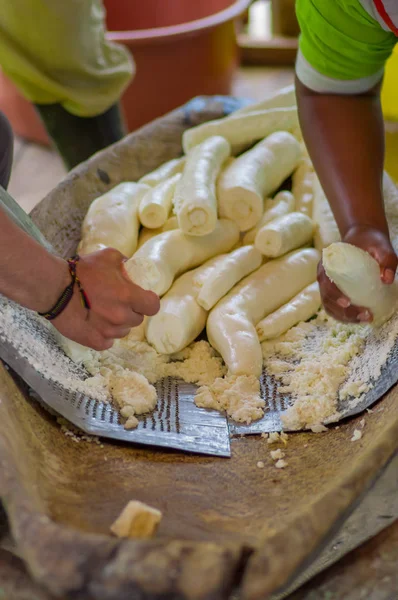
(176, 423)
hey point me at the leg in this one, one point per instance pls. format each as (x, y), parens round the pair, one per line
(6, 150)
(78, 138)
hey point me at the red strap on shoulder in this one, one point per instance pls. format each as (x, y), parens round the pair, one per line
(379, 4)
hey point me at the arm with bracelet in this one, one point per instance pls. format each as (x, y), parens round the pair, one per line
(343, 48)
(71, 293)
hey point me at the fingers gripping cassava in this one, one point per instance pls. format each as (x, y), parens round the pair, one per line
(300, 308)
(155, 206)
(284, 234)
(357, 275)
(255, 174)
(282, 204)
(172, 253)
(195, 202)
(231, 325)
(112, 220)
(245, 129)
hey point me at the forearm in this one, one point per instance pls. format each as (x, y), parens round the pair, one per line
(345, 139)
(29, 274)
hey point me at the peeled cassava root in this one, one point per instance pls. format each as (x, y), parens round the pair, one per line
(227, 270)
(303, 187)
(155, 206)
(165, 171)
(254, 175)
(243, 130)
(112, 220)
(171, 253)
(282, 204)
(180, 318)
(146, 234)
(231, 325)
(357, 275)
(195, 202)
(300, 308)
(284, 234)
(326, 231)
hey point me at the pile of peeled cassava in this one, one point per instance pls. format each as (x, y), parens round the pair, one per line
(229, 236)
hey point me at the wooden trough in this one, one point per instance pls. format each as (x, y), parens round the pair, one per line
(227, 524)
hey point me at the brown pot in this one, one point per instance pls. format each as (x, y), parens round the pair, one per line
(181, 50)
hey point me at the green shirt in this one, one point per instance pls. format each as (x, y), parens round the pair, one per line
(342, 49)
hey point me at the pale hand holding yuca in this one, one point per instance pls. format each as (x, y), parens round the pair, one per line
(195, 201)
(283, 204)
(243, 130)
(163, 172)
(284, 234)
(156, 205)
(112, 220)
(171, 253)
(227, 271)
(231, 325)
(357, 275)
(300, 308)
(245, 182)
(303, 187)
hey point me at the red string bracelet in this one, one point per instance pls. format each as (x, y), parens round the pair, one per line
(67, 294)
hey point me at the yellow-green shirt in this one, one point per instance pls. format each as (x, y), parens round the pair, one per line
(344, 44)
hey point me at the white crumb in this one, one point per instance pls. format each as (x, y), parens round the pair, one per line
(260, 464)
(239, 396)
(277, 454)
(199, 363)
(356, 435)
(318, 428)
(131, 423)
(274, 438)
(281, 464)
(284, 437)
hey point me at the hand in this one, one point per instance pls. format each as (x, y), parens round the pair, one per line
(378, 244)
(117, 304)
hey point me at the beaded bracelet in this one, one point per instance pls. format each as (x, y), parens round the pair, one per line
(67, 294)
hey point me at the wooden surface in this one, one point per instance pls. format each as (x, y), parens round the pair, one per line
(80, 468)
(219, 515)
(368, 573)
